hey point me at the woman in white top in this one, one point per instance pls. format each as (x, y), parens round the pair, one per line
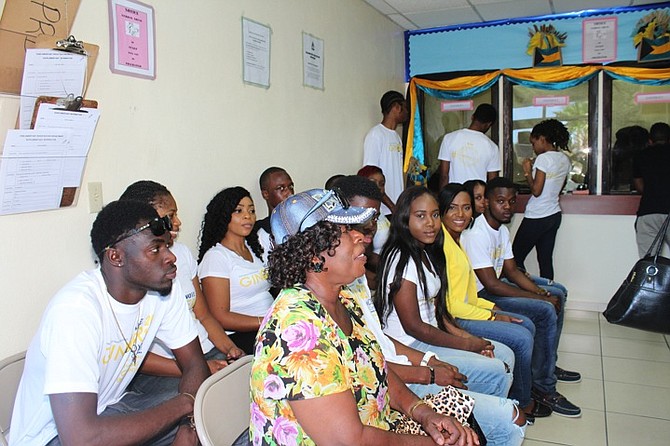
(159, 370)
(232, 272)
(546, 177)
(412, 282)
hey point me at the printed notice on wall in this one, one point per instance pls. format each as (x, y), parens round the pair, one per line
(133, 49)
(256, 53)
(312, 61)
(599, 40)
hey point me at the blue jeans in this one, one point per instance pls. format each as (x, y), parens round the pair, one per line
(163, 388)
(518, 337)
(557, 289)
(543, 316)
(485, 375)
(494, 415)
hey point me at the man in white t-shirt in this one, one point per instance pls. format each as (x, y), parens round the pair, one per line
(499, 280)
(94, 336)
(468, 154)
(383, 147)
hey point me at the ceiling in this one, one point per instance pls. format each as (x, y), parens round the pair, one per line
(422, 14)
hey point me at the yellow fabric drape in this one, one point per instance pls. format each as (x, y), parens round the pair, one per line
(640, 73)
(549, 74)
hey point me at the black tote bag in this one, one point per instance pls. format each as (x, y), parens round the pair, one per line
(643, 300)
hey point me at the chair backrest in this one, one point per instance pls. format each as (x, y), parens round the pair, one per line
(222, 404)
(11, 369)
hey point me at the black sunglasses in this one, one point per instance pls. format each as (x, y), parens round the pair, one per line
(158, 226)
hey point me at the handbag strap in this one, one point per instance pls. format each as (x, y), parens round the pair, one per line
(657, 244)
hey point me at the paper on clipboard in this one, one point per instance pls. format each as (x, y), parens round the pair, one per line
(81, 124)
(49, 73)
(30, 184)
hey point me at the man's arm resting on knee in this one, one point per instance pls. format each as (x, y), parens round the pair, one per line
(487, 276)
(78, 423)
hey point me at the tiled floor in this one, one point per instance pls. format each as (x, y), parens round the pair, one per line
(625, 390)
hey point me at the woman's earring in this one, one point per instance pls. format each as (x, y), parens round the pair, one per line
(472, 219)
(317, 267)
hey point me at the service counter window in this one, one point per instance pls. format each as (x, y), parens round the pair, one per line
(530, 106)
(442, 116)
(634, 108)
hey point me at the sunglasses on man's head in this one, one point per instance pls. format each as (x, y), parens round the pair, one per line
(158, 226)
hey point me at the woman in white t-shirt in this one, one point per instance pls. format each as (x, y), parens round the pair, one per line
(160, 370)
(232, 273)
(546, 177)
(412, 282)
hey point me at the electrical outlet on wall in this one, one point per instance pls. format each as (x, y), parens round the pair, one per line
(94, 197)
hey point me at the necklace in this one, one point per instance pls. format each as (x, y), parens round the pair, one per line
(133, 350)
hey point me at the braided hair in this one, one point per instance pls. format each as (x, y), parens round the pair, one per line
(217, 218)
(553, 131)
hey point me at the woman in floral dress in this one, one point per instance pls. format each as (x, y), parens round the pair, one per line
(319, 376)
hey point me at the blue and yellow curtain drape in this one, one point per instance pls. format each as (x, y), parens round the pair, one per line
(555, 78)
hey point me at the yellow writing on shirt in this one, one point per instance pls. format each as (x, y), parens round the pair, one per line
(119, 351)
(466, 155)
(254, 278)
(395, 148)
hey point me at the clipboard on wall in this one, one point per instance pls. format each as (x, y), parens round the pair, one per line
(70, 103)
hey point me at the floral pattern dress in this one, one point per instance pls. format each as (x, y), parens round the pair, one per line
(301, 353)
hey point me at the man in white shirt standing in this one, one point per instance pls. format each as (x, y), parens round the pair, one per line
(383, 147)
(468, 154)
(94, 335)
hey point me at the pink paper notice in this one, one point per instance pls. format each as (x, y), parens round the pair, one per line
(133, 37)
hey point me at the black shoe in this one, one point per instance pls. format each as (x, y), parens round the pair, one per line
(540, 410)
(558, 404)
(566, 376)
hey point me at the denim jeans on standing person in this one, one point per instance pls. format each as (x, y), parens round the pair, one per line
(493, 413)
(543, 316)
(485, 375)
(517, 336)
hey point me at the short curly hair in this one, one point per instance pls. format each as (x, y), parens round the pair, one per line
(217, 218)
(289, 262)
(354, 185)
(146, 191)
(553, 131)
(117, 219)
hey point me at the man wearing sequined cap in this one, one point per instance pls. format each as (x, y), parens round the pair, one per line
(94, 335)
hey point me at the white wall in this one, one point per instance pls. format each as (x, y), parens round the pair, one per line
(197, 128)
(593, 255)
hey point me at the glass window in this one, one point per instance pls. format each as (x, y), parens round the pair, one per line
(634, 109)
(570, 106)
(441, 116)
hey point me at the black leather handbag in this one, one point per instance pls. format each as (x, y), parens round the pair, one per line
(643, 300)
